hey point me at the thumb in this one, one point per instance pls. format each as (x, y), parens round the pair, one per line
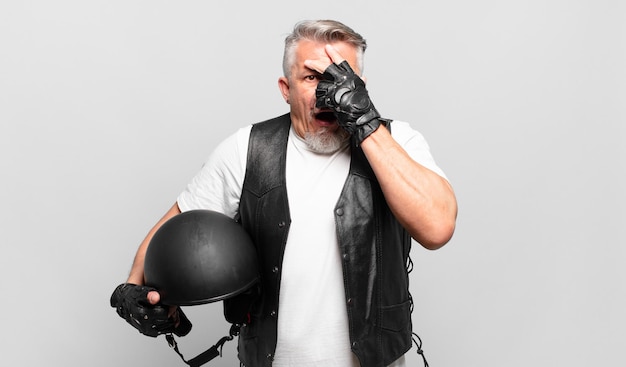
(154, 297)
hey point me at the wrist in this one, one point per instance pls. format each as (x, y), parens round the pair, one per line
(366, 130)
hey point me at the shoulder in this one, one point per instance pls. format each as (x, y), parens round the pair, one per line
(405, 134)
(415, 144)
(234, 146)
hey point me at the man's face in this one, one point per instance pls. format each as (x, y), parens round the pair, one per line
(299, 90)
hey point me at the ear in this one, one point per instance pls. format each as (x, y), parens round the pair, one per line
(283, 85)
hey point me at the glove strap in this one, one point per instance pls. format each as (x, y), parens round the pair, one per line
(208, 354)
(368, 128)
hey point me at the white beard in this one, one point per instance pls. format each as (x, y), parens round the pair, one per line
(326, 142)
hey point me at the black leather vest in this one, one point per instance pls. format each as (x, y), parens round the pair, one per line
(374, 249)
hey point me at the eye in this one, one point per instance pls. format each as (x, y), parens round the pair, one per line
(313, 77)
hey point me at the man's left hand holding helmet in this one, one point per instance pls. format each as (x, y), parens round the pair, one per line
(139, 306)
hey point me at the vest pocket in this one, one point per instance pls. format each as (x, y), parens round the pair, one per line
(396, 317)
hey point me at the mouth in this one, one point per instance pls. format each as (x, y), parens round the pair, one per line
(327, 117)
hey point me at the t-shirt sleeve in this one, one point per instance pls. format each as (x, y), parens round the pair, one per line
(217, 185)
(415, 145)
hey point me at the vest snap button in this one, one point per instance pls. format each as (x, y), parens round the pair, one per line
(281, 224)
(339, 212)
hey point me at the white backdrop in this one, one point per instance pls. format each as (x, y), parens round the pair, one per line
(108, 108)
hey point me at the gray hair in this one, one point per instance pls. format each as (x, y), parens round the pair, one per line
(326, 31)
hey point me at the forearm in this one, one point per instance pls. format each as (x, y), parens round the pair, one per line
(422, 201)
(136, 272)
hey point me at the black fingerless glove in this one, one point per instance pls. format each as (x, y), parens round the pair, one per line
(131, 303)
(344, 92)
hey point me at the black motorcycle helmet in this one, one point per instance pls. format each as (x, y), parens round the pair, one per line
(198, 257)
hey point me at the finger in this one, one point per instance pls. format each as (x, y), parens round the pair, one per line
(154, 297)
(334, 55)
(318, 65)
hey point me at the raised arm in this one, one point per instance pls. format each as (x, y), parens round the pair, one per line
(422, 201)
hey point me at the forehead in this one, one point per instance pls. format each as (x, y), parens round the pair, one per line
(313, 50)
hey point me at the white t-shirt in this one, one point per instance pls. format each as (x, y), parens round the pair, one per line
(312, 319)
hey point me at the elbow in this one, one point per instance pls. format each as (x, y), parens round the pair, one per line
(434, 229)
(441, 227)
(436, 235)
